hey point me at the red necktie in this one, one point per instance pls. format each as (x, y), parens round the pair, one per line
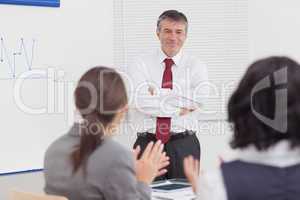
(163, 124)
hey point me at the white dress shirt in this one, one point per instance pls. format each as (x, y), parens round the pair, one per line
(189, 89)
(211, 185)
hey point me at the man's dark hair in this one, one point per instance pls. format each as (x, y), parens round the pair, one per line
(247, 127)
(173, 15)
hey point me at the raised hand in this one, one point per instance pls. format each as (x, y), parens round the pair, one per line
(164, 161)
(191, 170)
(151, 162)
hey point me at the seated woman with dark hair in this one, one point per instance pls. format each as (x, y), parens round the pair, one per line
(86, 164)
(264, 111)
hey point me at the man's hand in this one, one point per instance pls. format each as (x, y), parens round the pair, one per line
(151, 90)
(185, 111)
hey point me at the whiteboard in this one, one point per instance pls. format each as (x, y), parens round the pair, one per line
(50, 48)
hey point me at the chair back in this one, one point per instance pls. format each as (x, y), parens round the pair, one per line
(18, 195)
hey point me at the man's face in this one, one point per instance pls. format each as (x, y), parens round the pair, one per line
(172, 36)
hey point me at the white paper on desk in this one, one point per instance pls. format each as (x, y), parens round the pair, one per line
(183, 194)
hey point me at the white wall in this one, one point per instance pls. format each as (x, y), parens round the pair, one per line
(274, 27)
(31, 182)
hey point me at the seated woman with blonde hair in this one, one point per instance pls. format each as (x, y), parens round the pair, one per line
(264, 111)
(86, 163)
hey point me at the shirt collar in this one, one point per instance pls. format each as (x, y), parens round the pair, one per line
(162, 56)
(280, 155)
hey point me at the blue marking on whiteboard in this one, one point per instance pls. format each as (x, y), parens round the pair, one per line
(47, 3)
(21, 172)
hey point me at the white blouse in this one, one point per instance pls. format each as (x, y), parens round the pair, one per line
(211, 185)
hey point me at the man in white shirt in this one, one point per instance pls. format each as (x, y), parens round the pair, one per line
(167, 94)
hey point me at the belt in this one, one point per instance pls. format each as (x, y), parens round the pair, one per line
(174, 135)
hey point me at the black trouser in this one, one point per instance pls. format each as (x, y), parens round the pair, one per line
(177, 148)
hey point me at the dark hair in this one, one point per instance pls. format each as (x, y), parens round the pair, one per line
(282, 78)
(99, 95)
(173, 15)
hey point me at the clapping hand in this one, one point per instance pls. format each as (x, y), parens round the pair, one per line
(152, 162)
(191, 170)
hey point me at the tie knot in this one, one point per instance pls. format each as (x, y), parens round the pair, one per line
(169, 62)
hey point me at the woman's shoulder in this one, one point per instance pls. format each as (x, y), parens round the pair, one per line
(117, 147)
(113, 152)
(64, 142)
